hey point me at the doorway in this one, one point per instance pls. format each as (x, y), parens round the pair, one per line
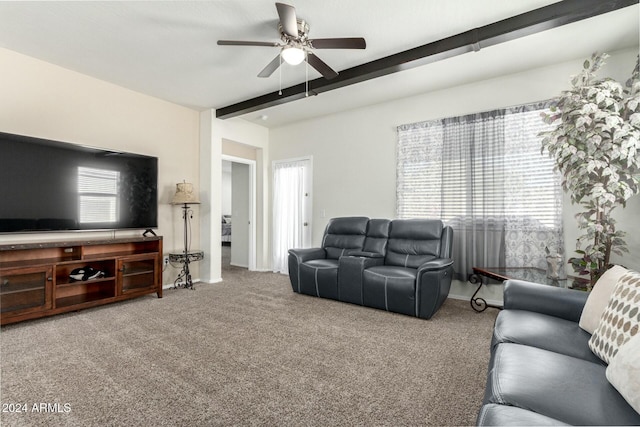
(238, 212)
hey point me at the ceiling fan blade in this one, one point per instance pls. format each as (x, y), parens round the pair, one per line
(317, 63)
(246, 43)
(271, 67)
(288, 19)
(339, 43)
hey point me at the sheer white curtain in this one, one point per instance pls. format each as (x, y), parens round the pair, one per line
(533, 192)
(472, 193)
(485, 176)
(288, 209)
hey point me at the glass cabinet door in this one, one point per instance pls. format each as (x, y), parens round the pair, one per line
(137, 273)
(25, 290)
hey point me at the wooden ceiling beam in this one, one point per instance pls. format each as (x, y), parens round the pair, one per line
(525, 24)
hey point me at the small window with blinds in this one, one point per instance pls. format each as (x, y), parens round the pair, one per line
(484, 173)
(98, 195)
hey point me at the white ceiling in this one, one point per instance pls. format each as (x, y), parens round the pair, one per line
(168, 49)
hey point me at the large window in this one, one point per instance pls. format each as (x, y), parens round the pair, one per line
(485, 175)
(98, 194)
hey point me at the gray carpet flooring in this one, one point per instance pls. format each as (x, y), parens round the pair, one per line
(247, 351)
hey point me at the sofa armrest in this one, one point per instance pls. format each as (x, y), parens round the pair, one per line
(432, 286)
(303, 255)
(559, 302)
(435, 264)
(297, 257)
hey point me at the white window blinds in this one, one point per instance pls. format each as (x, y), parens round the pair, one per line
(98, 195)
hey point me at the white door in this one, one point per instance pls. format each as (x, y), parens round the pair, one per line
(291, 209)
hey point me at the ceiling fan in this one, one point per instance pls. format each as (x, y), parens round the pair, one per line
(296, 45)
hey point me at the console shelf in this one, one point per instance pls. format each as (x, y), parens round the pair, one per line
(35, 277)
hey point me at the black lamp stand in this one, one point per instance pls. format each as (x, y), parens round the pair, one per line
(185, 274)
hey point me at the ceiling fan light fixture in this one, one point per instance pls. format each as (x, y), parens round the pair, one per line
(292, 55)
(296, 46)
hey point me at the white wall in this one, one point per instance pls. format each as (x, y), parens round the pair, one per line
(226, 187)
(241, 216)
(354, 151)
(43, 100)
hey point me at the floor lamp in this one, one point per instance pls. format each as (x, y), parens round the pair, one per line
(185, 196)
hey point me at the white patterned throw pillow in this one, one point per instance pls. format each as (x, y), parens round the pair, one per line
(624, 372)
(620, 321)
(599, 298)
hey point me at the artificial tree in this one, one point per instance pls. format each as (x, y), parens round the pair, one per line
(596, 145)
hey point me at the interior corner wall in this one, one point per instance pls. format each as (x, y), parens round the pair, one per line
(213, 132)
(46, 101)
(211, 200)
(354, 152)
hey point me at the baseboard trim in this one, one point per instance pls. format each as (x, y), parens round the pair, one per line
(195, 282)
(211, 282)
(468, 298)
(239, 265)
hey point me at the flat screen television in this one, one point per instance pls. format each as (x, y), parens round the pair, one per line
(56, 186)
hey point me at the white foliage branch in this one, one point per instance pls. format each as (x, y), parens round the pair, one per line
(596, 146)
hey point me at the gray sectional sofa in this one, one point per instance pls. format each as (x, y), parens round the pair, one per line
(403, 265)
(542, 371)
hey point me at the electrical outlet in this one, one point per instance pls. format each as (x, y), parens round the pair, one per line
(166, 260)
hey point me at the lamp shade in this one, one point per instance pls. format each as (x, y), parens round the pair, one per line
(184, 194)
(292, 55)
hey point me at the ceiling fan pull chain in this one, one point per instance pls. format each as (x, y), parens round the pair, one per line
(306, 78)
(280, 72)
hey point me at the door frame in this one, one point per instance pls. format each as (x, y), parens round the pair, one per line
(252, 205)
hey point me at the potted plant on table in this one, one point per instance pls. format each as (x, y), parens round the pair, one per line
(596, 145)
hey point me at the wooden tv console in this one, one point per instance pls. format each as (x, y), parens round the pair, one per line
(35, 281)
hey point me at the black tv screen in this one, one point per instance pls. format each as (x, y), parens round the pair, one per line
(55, 186)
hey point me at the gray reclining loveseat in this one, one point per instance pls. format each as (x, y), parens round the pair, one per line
(403, 266)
